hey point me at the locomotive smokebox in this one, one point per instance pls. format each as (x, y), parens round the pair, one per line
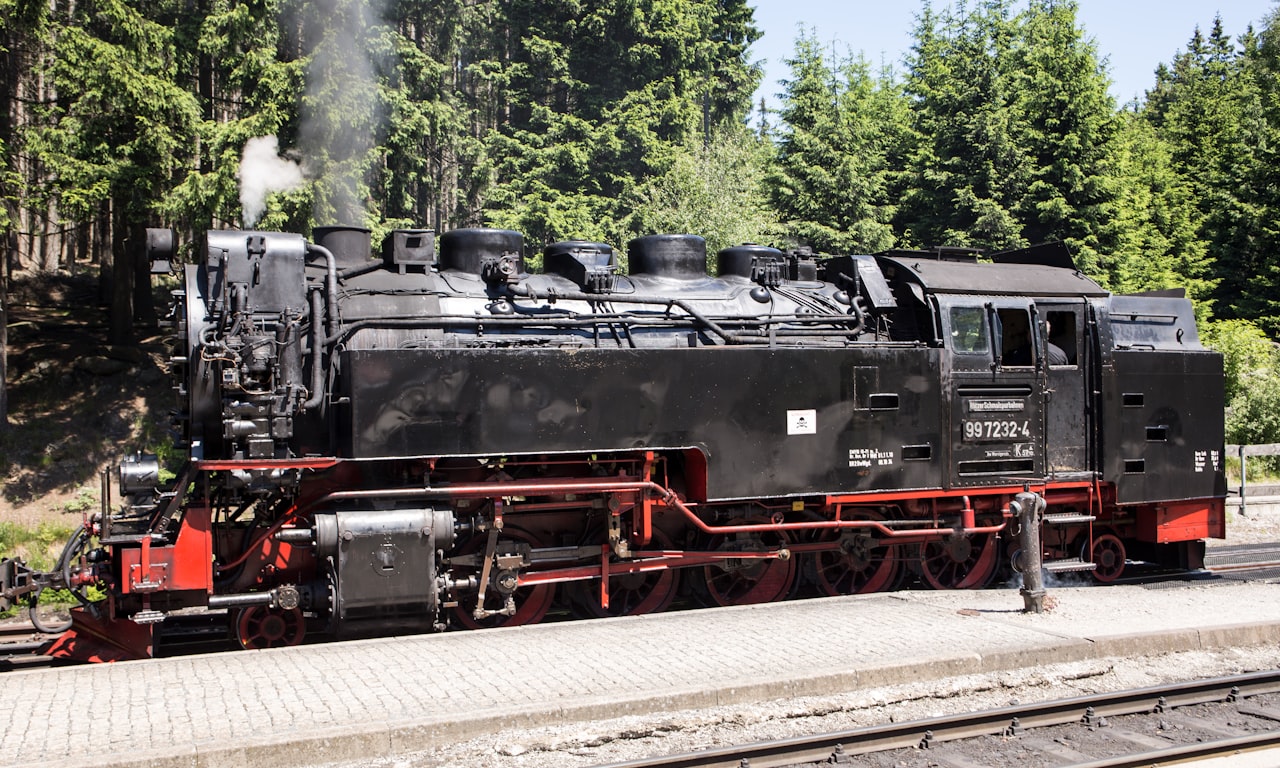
(683, 257)
(349, 245)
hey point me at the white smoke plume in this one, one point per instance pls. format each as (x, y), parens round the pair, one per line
(263, 171)
(341, 114)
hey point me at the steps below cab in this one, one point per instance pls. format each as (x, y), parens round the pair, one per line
(1068, 519)
(1069, 565)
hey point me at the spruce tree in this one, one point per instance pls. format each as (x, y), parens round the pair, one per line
(1068, 126)
(832, 180)
(1156, 238)
(1207, 106)
(603, 96)
(968, 170)
(120, 129)
(1252, 222)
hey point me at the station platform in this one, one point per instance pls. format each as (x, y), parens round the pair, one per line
(375, 698)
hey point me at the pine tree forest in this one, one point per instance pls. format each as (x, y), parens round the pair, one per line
(610, 119)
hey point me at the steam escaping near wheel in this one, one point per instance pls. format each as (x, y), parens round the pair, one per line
(263, 171)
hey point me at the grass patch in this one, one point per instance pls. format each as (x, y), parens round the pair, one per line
(39, 547)
(1262, 470)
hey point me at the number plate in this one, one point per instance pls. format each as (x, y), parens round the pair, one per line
(982, 430)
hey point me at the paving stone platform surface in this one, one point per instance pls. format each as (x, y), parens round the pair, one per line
(338, 701)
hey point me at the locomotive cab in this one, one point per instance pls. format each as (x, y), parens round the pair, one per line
(1020, 364)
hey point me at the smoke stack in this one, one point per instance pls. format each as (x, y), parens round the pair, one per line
(349, 245)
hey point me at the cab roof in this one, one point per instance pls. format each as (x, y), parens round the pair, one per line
(936, 275)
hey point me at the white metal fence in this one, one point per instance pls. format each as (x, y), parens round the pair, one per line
(1268, 493)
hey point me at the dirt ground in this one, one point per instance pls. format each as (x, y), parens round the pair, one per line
(75, 404)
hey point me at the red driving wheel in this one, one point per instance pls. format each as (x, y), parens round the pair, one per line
(1108, 556)
(532, 603)
(959, 562)
(261, 626)
(859, 565)
(746, 581)
(630, 594)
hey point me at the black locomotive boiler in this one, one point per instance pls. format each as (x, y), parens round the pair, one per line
(401, 441)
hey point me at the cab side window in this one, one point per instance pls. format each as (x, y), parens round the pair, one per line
(1063, 347)
(969, 330)
(1015, 337)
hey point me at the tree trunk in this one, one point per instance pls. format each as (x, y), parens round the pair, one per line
(144, 306)
(99, 242)
(121, 318)
(8, 108)
(11, 245)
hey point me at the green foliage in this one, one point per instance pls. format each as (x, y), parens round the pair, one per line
(1247, 354)
(39, 547)
(581, 136)
(1012, 131)
(255, 92)
(1156, 226)
(122, 125)
(714, 191)
(1251, 365)
(966, 169)
(557, 191)
(611, 119)
(833, 183)
(1067, 123)
(84, 501)
(1208, 108)
(1253, 416)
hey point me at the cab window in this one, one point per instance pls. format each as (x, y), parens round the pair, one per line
(1061, 327)
(968, 330)
(1015, 337)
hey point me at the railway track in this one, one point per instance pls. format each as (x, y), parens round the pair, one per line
(1244, 558)
(1228, 716)
(20, 644)
(18, 631)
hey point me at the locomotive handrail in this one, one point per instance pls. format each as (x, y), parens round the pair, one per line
(563, 315)
(1132, 317)
(665, 495)
(877, 525)
(728, 336)
(471, 321)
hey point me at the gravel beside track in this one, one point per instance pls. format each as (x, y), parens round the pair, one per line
(1260, 524)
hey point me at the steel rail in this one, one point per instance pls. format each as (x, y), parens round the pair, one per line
(1239, 567)
(17, 629)
(931, 731)
(1256, 557)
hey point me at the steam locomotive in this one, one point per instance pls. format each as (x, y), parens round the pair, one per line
(395, 441)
